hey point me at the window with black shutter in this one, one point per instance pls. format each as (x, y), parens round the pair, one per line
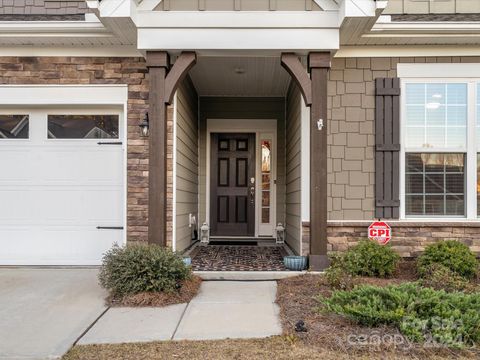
(387, 148)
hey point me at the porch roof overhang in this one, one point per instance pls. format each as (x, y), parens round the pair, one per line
(226, 32)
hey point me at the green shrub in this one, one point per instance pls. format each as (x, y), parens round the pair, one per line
(452, 254)
(421, 314)
(140, 268)
(338, 278)
(437, 276)
(369, 258)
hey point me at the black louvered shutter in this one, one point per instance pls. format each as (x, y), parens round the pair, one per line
(387, 148)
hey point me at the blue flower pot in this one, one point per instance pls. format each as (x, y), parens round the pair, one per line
(187, 261)
(296, 263)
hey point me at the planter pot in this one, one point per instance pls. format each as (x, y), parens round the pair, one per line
(296, 263)
(187, 261)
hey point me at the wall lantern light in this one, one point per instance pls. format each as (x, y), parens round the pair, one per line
(280, 232)
(204, 233)
(144, 125)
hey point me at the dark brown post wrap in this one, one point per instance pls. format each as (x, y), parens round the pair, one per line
(163, 84)
(387, 148)
(318, 65)
(158, 64)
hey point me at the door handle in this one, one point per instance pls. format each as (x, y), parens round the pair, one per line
(252, 194)
(109, 227)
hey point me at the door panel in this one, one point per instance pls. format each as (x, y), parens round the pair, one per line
(232, 195)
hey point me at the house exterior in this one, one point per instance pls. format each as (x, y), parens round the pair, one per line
(321, 115)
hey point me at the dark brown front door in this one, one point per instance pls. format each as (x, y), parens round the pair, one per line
(232, 185)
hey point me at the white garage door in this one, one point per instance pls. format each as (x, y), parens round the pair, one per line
(61, 185)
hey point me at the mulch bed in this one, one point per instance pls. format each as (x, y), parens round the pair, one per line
(187, 292)
(334, 333)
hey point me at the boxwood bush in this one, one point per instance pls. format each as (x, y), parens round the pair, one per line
(421, 314)
(452, 254)
(140, 268)
(369, 258)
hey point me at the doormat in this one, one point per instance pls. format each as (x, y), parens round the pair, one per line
(225, 242)
(238, 258)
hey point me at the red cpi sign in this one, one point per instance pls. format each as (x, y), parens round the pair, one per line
(380, 232)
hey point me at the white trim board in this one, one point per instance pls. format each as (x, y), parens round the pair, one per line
(257, 126)
(178, 39)
(40, 95)
(440, 71)
(407, 51)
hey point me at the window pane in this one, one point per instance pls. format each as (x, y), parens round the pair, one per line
(455, 205)
(415, 115)
(478, 119)
(14, 126)
(416, 94)
(266, 147)
(83, 126)
(414, 184)
(436, 94)
(414, 205)
(436, 115)
(478, 184)
(435, 184)
(415, 137)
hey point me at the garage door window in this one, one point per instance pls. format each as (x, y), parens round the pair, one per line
(83, 126)
(14, 126)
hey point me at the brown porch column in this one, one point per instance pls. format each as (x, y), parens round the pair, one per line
(318, 65)
(158, 63)
(163, 84)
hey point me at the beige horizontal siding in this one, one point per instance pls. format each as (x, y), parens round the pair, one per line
(293, 174)
(186, 163)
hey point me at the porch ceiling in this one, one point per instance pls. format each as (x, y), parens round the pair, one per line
(239, 76)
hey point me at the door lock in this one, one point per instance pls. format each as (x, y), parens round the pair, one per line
(252, 194)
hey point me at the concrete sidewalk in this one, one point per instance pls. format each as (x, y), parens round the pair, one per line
(44, 311)
(222, 309)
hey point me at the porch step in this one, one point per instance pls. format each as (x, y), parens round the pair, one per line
(249, 275)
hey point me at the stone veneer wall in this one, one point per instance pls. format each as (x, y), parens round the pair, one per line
(103, 70)
(409, 239)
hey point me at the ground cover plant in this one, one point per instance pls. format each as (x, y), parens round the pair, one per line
(421, 314)
(146, 275)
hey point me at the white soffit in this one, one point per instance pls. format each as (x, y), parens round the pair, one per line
(240, 76)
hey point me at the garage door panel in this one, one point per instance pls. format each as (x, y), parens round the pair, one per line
(17, 165)
(82, 166)
(53, 195)
(70, 245)
(16, 206)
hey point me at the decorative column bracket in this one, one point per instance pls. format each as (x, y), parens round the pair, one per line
(294, 67)
(177, 74)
